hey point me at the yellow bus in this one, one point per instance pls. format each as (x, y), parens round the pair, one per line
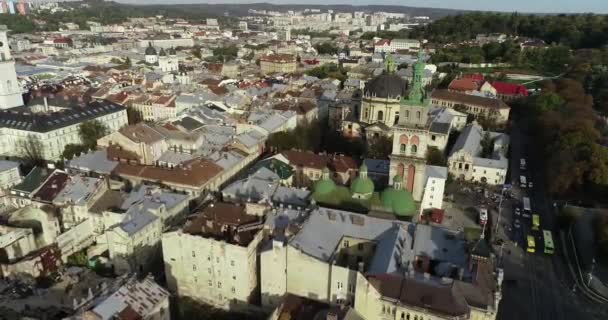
(535, 222)
(531, 244)
(548, 238)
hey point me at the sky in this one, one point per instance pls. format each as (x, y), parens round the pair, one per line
(553, 6)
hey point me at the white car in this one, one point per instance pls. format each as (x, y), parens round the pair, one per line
(517, 211)
(530, 185)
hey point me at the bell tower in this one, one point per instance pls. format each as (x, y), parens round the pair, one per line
(10, 91)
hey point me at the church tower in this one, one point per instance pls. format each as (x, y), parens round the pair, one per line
(10, 91)
(411, 135)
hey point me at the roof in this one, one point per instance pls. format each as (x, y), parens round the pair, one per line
(441, 245)
(386, 86)
(96, 161)
(8, 165)
(509, 89)
(78, 190)
(135, 297)
(26, 120)
(464, 84)
(469, 99)
(137, 222)
(282, 58)
(52, 187)
(429, 294)
(437, 172)
(141, 133)
(195, 173)
(308, 159)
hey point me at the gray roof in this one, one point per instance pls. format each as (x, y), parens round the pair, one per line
(137, 222)
(175, 158)
(8, 165)
(440, 244)
(377, 166)
(188, 123)
(469, 140)
(440, 127)
(226, 160)
(78, 190)
(325, 228)
(149, 196)
(437, 172)
(38, 122)
(386, 86)
(96, 161)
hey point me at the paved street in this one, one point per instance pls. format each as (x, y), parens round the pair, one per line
(537, 286)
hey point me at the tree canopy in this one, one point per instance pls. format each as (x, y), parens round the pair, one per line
(90, 131)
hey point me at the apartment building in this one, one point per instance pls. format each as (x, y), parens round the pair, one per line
(10, 174)
(213, 259)
(46, 134)
(278, 63)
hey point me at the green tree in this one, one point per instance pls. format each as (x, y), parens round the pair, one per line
(379, 147)
(487, 145)
(326, 48)
(90, 132)
(72, 150)
(435, 157)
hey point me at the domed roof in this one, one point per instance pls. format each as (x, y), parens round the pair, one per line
(150, 51)
(400, 202)
(325, 185)
(162, 52)
(386, 85)
(172, 51)
(362, 185)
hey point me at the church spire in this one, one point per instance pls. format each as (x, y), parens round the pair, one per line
(389, 64)
(417, 94)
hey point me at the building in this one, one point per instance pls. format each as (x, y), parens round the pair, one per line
(474, 159)
(213, 259)
(10, 90)
(140, 143)
(134, 243)
(155, 107)
(278, 63)
(167, 60)
(45, 134)
(10, 174)
(136, 299)
(436, 178)
(394, 45)
(472, 104)
(151, 56)
(284, 34)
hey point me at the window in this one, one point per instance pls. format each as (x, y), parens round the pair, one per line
(466, 166)
(210, 283)
(209, 258)
(217, 259)
(232, 263)
(414, 148)
(346, 244)
(233, 290)
(418, 114)
(433, 137)
(380, 115)
(407, 113)
(209, 270)
(193, 267)
(219, 285)
(340, 285)
(360, 246)
(193, 254)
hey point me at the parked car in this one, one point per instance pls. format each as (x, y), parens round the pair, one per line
(517, 211)
(530, 185)
(516, 224)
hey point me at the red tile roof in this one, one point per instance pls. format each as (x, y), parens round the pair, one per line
(509, 89)
(475, 76)
(464, 84)
(194, 173)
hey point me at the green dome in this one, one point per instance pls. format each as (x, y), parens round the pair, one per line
(362, 185)
(324, 186)
(400, 202)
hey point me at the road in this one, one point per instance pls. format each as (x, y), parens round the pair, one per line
(538, 286)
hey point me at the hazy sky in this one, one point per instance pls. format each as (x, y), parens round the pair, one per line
(596, 6)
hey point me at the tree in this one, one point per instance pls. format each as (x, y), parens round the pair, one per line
(326, 48)
(72, 150)
(32, 150)
(435, 157)
(90, 132)
(487, 145)
(379, 147)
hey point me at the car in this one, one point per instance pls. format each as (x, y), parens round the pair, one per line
(530, 185)
(526, 215)
(517, 211)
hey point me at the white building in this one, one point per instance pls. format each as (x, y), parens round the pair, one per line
(469, 161)
(214, 258)
(16, 243)
(9, 174)
(432, 198)
(168, 61)
(391, 46)
(134, 242)
(10, 91)
(46, 134)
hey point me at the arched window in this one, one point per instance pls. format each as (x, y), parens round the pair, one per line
(418, 115)
(380, 115)
(407, 113)
(402, 148)
(414, 148)
(366, 114)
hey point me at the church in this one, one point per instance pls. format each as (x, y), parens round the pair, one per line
(10, 90)
(167, 61)
(414, 124)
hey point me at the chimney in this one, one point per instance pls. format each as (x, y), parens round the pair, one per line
(46, 104)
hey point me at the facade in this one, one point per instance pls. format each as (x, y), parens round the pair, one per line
(472, 104)
(48, 133)
(167, 60)
(140, 143)
(10, 174)
(391, 46)
(468, 160)
(278, 63)
(436, 177)
(155, 107)
(214, 258)
(10, 90)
